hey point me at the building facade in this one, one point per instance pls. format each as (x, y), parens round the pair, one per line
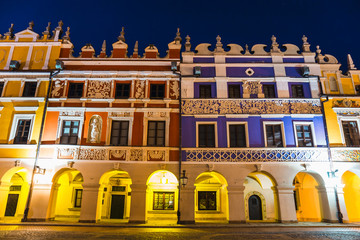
(210, 135)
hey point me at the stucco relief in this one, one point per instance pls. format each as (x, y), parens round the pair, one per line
(347, 103)
(92, 154)
(139, 89)
(156, 155)
(95, 126)
(98, 89)
(174, 89)
(119, 114)
(252, 87)
(58, 89)
(136, 155)
(343, 155)
(68, 153)
(72, 113)
(118, 154)
(156, 114)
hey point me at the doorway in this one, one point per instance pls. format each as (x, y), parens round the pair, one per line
(255, 211)
(11, 205)
(117, 206)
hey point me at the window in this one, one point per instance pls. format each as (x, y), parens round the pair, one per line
(1, 88)
(157, 91)
(70, 132)
(207, 200)
(297, 91)
(205, 91)
(237, 135)
(304, 136)
(119, 133)
(122, 90)
(234, 91)
(269, 90)
(351, 133)
(22, 131)
(29, 89)
(156, 133)
(78, 198)
(206, 135)
(75, 90)
(164, 200)
(273, 135)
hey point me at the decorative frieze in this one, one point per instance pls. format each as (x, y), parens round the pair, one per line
(156, 114)
(71, 113)
(347, 103)
(158, 155)
(98, 89)
(250, 106)
(174, 89)
(68, 152)
(139, 89)
(58, 89)
(92, 154)
(345, 154)
(118, 154)
(119, 114)
(136, 155)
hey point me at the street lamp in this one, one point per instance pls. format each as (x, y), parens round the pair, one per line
(183, 179)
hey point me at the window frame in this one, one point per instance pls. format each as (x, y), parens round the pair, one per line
(229, 85)
(76, 190)
(311, 124)
(281, 123)
(163, 192)
(62, 131)
(14, 126)
(61, 120)
(24, 88)
(156, 137)
(128, 132)
(216, 200)
(205, 85)
(343, 133)
(228, 123)
(148, 118)
(156, 97)
(77, 83)
(215, 130)
(344, 118)
(269, 84)
(122, 83)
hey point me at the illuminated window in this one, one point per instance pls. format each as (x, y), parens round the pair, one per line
(78, 198)
(237, 135)
(164, 200)
(119, 133)
(304, 136)
(157, 91)
(269, 90)
(233, 91)
(22, 131)
(122, 90)
(156, 133)
(29, 89)
(297, 91)
(206, 135)
(75, 90)
(70, 132)
(1, 88)
(351, 133)
(207, 200)
(273, 135)
(205, 91)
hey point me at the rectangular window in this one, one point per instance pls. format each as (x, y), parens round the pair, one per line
(234, 91)
(122, 90)
(156, 133)
(1, 88)
(29, 89)
(22, 131)
(75, 90)
(70, 132)
(269, 90)
(157, 91)
(304, 136)
(78, 198)
(205, 91)
(273, 135)
(207, 200)
(164, 200)
(206, 135)
(237, 135)
(351, 133)
(119, 133)
(297, 91)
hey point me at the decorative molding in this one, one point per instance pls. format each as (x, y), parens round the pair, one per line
(347, 103)
(72, 113)
(68, 152)
(156, 155)
(58, 89)
(136, 155)
(118, 154)
(345, 154)
(139, 89)
(157, 114)
(92, 154)
(98, 89)
(26, 109)
(174, 89)
(120, 114)
(347, 111)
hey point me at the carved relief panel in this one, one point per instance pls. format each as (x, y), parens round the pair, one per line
(252, 87)
(174, 89)
(139, 89)
(94, 132)
(98, 89)
(58, 89)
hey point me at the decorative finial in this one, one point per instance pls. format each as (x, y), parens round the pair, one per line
(306, 45)
(67, 34)
(273, 39)
(318, 50)
(187, 44)
(178, 38)
(274, 44)
(304, 39)
(11, 31)
(247, 52)
(31, 25)
(103, 47)
(60, 24)
(351, 65)
(122, 35)
(219, 45)
(136, 47)
(47, 30)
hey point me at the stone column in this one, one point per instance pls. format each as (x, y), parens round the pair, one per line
(138, 203)
(4, 191)
(287, 211)
(343, 210)
(88, 212)
(328, 203)
(187, 205)
(236, 204)
(39, 202)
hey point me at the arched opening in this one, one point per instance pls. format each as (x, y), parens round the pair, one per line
(115, 196)
(161, 197)
(261, 202)
(66, 195)
(352, 195)
(211, 198)
(14, 191)
(307, 199)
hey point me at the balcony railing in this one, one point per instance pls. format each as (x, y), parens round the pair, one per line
(250, 106)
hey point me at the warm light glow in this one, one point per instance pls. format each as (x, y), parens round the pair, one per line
(164, 179)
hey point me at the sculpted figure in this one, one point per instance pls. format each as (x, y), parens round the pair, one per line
(94, 130)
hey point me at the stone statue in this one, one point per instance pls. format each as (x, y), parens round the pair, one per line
(95, 130)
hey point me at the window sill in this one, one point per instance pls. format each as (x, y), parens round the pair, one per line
(77, 209)
(162, 211)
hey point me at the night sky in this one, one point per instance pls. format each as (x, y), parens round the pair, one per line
(334, 25)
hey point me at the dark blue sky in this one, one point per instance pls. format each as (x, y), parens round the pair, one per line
(332, 24)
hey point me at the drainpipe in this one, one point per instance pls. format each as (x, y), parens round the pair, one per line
(27, 206)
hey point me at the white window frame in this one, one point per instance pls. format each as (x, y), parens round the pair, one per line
(311, 124)
(347, 119)
(61, 120)
(23, 86)
(281, 123)
(3, 91)
(215, 129)
(228, 123)
(14, 126)
(109, 129)
(165, 119)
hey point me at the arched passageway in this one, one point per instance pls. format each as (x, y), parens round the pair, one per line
(351, 183)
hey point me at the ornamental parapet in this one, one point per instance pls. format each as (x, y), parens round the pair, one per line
(256, 155)
(114, 153)
(250, 106)
(345, 154)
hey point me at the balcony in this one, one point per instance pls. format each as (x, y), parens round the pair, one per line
(256, 155)
(345, 154)
(250, 106)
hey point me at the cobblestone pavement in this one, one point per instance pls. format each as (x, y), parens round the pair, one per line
(223, 233)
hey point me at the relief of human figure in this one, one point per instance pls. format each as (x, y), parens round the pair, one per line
(95, 130)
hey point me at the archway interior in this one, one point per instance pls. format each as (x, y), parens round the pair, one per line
(211, 198)
(352, 195)
(115, 196)
(306, 197)
(261, 185)
(67, 192)
(162, 196)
